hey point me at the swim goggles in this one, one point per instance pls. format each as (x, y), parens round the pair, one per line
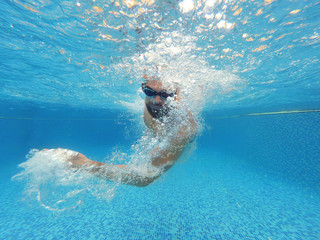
(152, 93)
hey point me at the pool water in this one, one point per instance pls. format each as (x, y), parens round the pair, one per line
(70, 77)
(249, 178)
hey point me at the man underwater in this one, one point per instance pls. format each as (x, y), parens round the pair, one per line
(165, 119)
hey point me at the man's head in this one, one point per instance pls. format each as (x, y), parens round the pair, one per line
(157, 97)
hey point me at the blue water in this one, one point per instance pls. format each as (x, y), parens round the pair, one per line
(70, 73)
(249, 178)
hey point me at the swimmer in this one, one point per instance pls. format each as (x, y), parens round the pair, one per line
(161, 119)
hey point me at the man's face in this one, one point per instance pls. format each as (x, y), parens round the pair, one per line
(156, 105)
(156, 101)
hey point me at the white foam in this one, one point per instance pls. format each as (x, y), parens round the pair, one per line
(172, 59)
(49, 178)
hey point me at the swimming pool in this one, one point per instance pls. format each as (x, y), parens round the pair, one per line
(70, 75)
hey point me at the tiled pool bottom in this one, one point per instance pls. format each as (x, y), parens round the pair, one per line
(209, 196)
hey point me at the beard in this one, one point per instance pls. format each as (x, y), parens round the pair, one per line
(158, 113)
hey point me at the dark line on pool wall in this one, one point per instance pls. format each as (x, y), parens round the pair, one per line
(57, 119)
(109, 119)
(269, 113)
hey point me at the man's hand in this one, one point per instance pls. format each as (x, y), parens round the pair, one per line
(79, 159)
(75, 158)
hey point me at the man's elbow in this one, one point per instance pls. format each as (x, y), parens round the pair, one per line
(144, 181)
(143, 184)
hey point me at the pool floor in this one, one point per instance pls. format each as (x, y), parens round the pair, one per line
(209, 196)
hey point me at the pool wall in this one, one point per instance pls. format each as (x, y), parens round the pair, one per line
(283, 145)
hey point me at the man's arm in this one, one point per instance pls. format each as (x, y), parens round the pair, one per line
(176, 146)
(127, 174)
(162, 160)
